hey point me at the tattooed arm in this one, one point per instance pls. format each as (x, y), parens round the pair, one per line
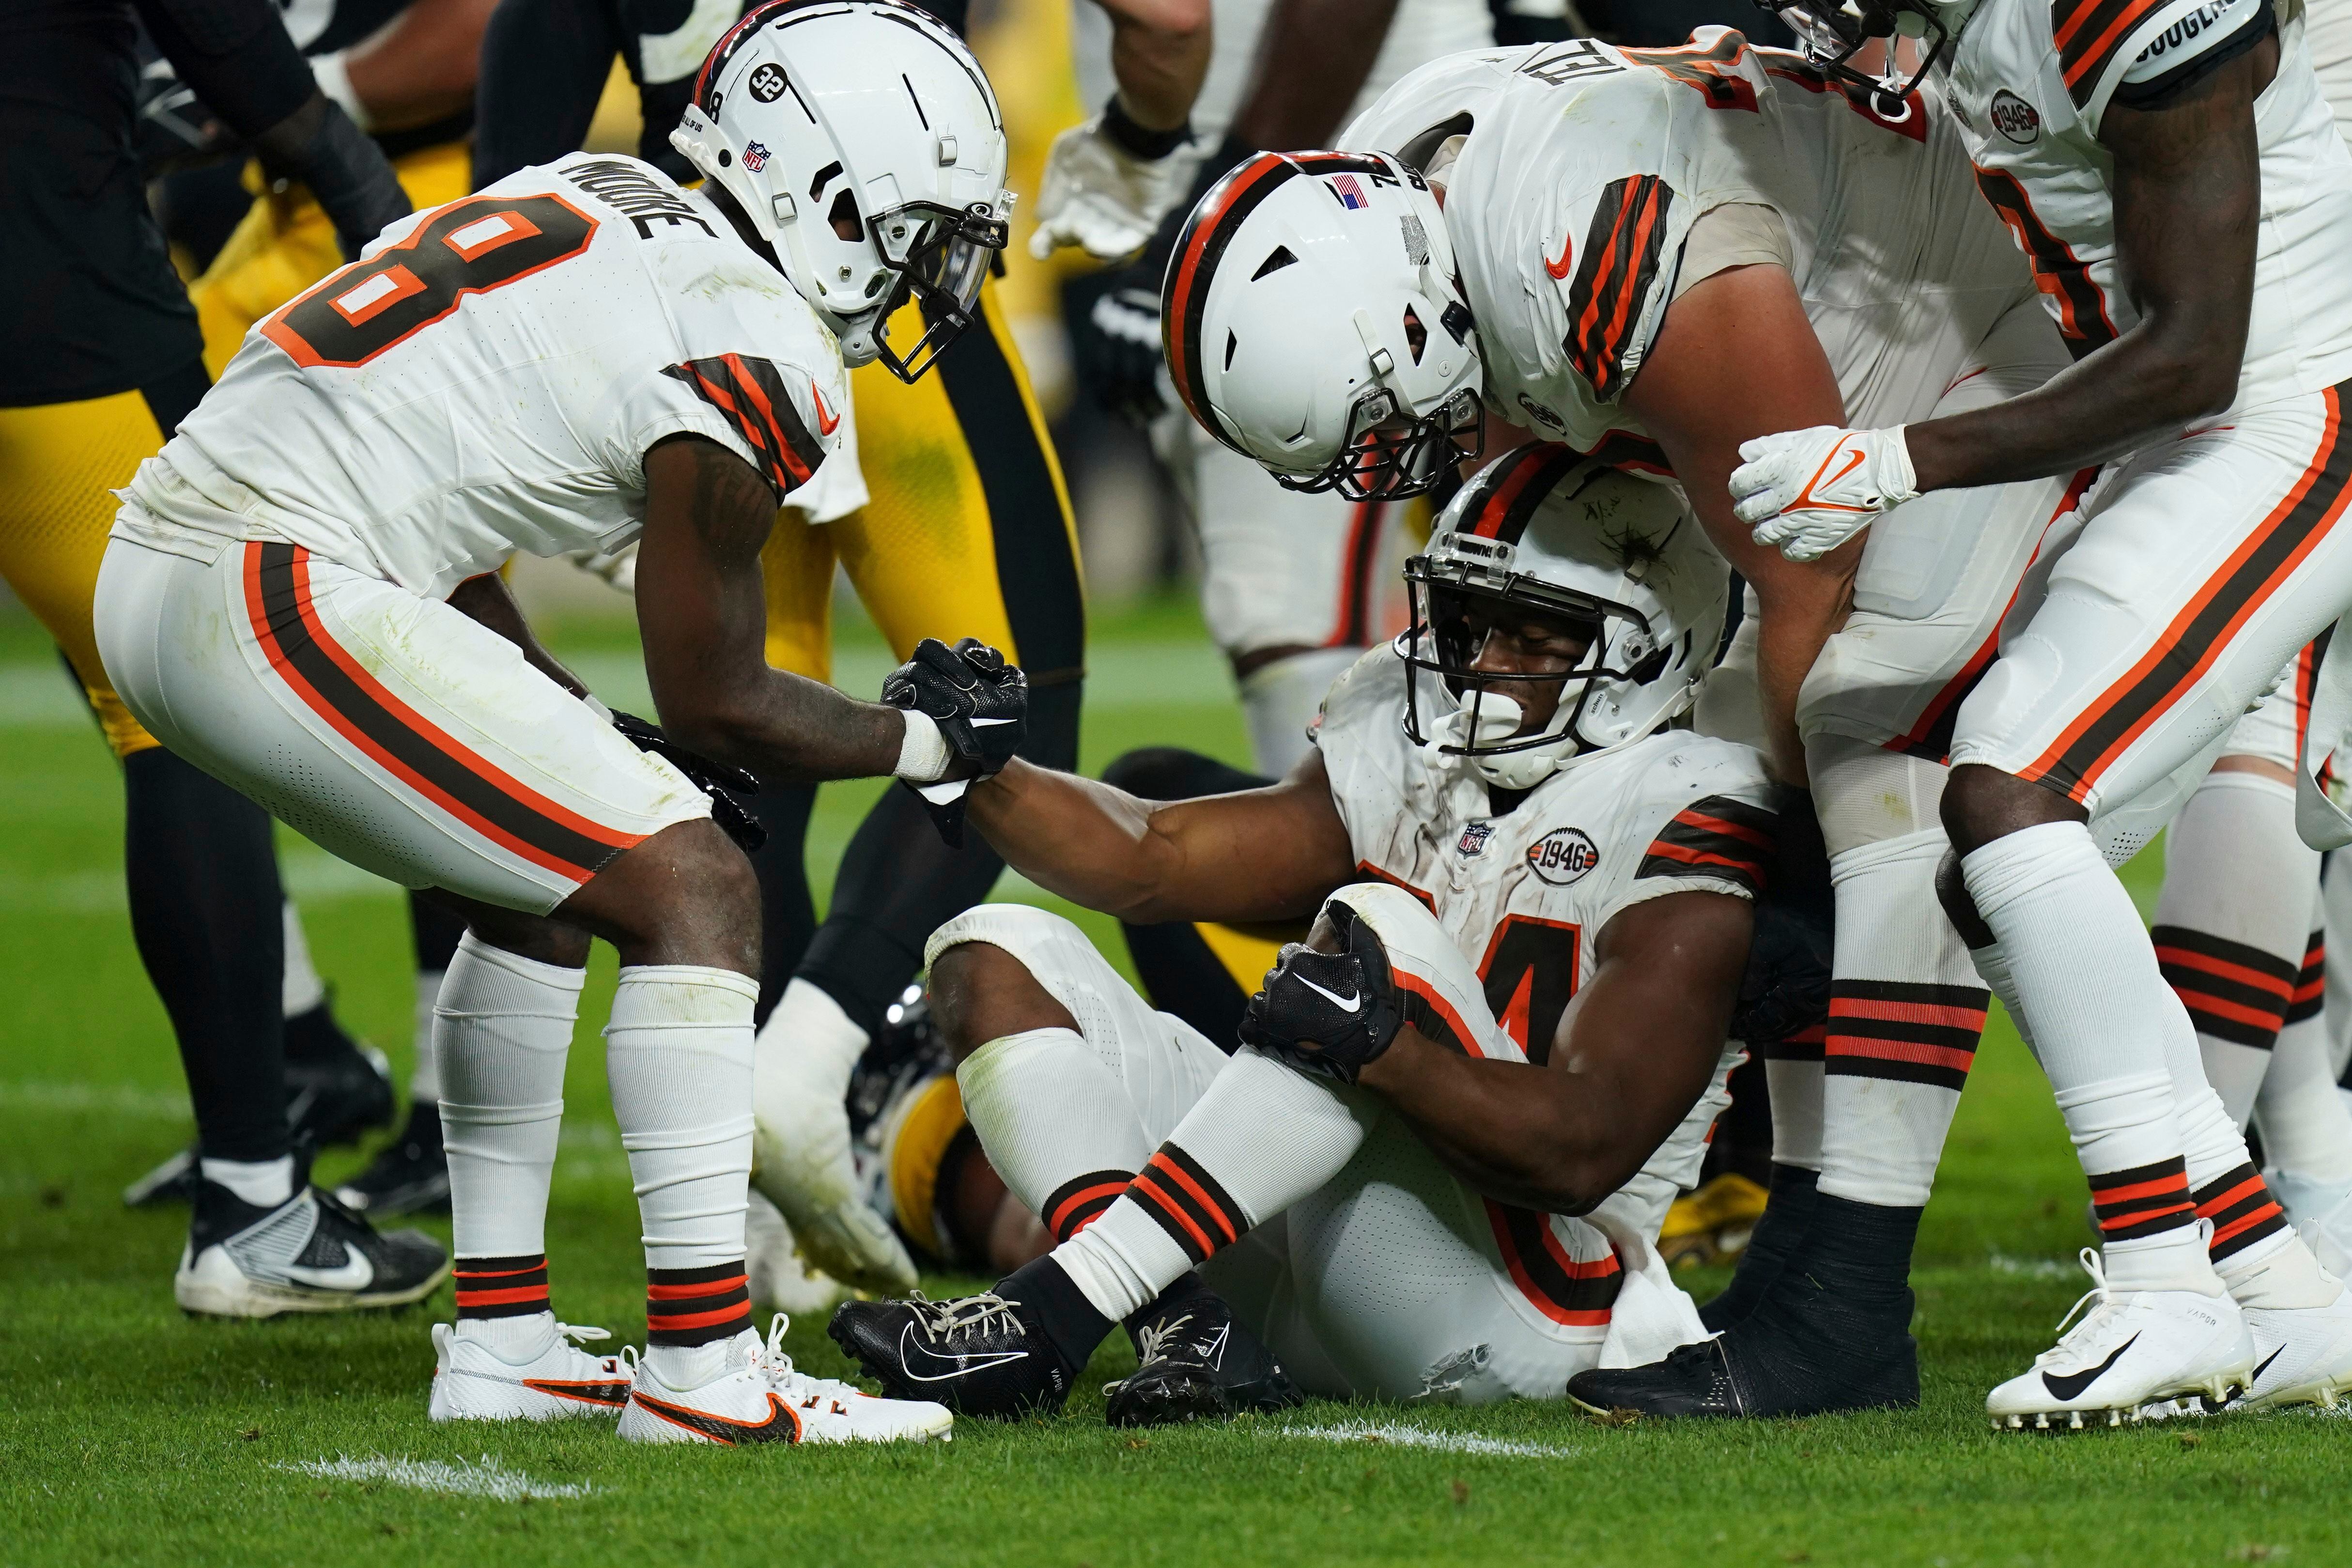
(703, 617)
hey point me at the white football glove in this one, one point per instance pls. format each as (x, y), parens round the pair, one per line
(1102, 198)
(1808, 491)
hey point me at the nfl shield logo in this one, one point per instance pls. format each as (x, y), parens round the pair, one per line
(1473, 842)
(755, 157)
(1350, 195)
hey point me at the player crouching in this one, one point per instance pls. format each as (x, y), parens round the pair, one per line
(1425, 1175)
(300, 597)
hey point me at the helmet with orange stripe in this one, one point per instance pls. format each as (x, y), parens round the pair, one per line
(864, 145)
(1314, 322)
(1834, 31)
(1564, 553)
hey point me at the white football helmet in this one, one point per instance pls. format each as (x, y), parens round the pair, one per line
(1834, 31)
(1314, 322)
(864, 145)
(1546, 529)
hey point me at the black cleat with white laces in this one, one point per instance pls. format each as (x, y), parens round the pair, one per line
(408, 1175)
(1197, 1362)
(977, 1355)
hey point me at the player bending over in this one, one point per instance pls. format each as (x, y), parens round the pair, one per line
(300, 597)
(2175, 177)
(1437, 1166)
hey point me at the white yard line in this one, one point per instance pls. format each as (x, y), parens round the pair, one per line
(113, 1099)
(485, 1479)
(2034, 1268)
(1392, 1434)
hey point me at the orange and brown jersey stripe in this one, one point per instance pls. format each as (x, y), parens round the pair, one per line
(1080, 1201)
(1577, 1292)
(338, 687)
(2239, 1205)
(1512, 489)
(2180, 657)
(2090, 34)
(2233, 992)
(1621, 250)
(1623, 449)
(1907, 1032)
(752, 395)
(500, 1287)
(1185, 1201)
(1719, 837)
(1424, 1007)
(2310, 981)
(2143, 1200)
(2083, 318)
(696, 1306)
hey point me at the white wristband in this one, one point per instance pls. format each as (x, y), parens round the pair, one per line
(333, 74)
(923, 755)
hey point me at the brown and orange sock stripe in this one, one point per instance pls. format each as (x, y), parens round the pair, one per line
(697, 1306)
(1904, 1031)
(2311, 983)
(1185, 1201)
(2239, 1205)
(2146, 1200)
(1080, 1201)
(501, 1286)
(2233, 992)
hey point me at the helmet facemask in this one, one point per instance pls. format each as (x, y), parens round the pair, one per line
(939, 259)
(1831, 32)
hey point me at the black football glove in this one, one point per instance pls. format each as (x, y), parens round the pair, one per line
(175, 130)
(347, 173)
(710, 777)
(1115, 349)
(1786, 988)
(1328, 1013)
(982, 706)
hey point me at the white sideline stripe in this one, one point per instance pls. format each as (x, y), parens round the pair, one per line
(2033, 1267)
(486, 1479)
(114, 1099)
(1418, 1438)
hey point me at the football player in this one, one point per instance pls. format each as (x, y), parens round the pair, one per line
(2192, 248)
(957, 522)
(104, 359)
(300, 594)
(1427, 1174)
(1694, 198)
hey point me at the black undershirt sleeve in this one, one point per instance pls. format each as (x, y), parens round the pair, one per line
(237, 56)
(543, 68)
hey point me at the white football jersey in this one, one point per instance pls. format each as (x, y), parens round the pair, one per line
(1420, 30)
(1525, 894)
(489, 378)
(1585, 166)
(2030, 80)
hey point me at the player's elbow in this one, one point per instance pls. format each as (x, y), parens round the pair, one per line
(710, 730)
(1177, 19)
(1581, 1179)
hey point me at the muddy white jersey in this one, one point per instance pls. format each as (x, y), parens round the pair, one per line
(1421, 31)
(1525, 894)
(1585, 166)
(2030, 81)
(489, 377)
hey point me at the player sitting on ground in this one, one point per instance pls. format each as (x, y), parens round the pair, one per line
(1497, 821)
(299, 597)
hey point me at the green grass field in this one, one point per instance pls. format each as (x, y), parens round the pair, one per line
(131, 1434)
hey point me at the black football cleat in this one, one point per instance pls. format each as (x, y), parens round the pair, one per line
(1198, 1362)
(310, 1254)
(977, 1355)
(409, 1174)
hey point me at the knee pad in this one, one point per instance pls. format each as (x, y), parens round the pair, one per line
(1021, 930)
(1867, 795)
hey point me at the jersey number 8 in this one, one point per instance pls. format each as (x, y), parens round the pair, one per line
(467, 247)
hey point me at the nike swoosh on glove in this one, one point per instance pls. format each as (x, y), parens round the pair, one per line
(1808, 491)
(1328, 1013)
(980, 704)
(711, 778)
(1100, 197)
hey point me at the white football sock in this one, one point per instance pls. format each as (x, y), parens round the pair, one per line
(424, 1079)
(1907, 1010)
(678, 1053)
(2305, 1127)
(502, 1027)
(1793, 1083)
(2232, 924)
(1056, 1122)
(1262, 1137)
(303, 990)
(1991, 966)
(2103, 1019)
(1280, 699)
(800, 1066)
(264, 1183)
(513, 1340)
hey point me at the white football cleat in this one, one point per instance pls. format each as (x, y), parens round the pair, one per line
(801, 1155)
(471, 1382)
(2138, 1355)
(779, 1277)
(760, 1398)
(2322, 1212)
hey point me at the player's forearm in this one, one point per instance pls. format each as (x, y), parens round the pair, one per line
(785, 728)
(1158, 54)
(1517, 1133)
(1289, 106)
(1084, 840)
(421, 67)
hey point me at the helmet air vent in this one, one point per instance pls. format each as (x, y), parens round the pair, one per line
(1277, 259)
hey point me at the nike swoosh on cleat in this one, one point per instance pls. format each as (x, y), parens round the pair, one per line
(2070, 1386)
(1215, 1354)
(354, 1273)
(1345, 1003)
(957, 1366)
(783, 1426)
(2265, 1366)
(614, 1394)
